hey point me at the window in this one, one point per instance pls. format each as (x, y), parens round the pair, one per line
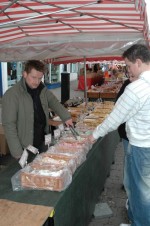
(73, 68)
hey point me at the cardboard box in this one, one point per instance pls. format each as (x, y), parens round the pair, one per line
(3, 143)
(15, 213)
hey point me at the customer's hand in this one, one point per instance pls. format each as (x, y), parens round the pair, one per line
(69, 122)
(91, 139)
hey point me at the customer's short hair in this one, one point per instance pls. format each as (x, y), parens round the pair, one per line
(137, 51)
(34, 64)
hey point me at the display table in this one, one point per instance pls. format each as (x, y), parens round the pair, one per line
(89, 81)
(76, 204)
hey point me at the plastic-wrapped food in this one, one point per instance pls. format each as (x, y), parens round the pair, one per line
(69, 148)
(93, 122)
(80, 142)
(29, 178)
(102, 111)
(92, 116)
(51, 161)
(73, 146)
(71, 139)
(78, 155)
(82, 126)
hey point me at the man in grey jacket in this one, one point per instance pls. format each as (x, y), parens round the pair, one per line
(25, 110)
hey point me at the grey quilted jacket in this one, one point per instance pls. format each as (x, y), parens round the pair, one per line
(18, 115)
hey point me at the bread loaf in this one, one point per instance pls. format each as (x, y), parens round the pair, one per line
(45, 179)
(53, 162)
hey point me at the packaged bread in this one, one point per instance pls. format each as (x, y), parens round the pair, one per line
(93, 122)
(53, 162)
(78, 155)
(107, 102)
(45, 179)
(92, 116)
(71, 139)
(81, 144)
(102, 110)
(75, 113)
(105, 105)
(83, 127)
(80, 108)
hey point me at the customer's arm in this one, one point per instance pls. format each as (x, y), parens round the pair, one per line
(121, 113)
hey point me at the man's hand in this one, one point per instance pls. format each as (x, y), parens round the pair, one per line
(69, 122)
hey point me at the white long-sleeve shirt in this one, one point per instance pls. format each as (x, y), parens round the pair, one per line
(133, 107)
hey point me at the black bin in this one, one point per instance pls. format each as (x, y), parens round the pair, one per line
(65, 87)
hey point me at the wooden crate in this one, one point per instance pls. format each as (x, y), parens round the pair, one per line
(108, 95)
(93, 94)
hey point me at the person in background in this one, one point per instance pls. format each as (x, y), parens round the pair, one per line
(95, 68)
(101, 75)
(25, 110)
(114, 74)
(133, 107)
(121, 128)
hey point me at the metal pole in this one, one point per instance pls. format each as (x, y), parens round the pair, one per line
(43, 14)
(85, 82)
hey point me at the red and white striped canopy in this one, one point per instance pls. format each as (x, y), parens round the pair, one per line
(44, 29)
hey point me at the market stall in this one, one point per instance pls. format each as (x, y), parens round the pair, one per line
(107, 91)
(75, 205)
(91, 79)
(43, 30)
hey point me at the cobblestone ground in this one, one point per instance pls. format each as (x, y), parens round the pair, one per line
(113, 194)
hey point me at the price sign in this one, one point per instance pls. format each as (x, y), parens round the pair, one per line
(23, 159)
(56, 133)
(48, 139)
(61, 127)
(32, 149)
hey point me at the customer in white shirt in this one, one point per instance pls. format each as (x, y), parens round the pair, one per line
(133, 107)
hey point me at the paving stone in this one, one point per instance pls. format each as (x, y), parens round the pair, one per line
(102, 210)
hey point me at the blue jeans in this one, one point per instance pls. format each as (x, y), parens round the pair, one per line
(125, 147)
(137, 184)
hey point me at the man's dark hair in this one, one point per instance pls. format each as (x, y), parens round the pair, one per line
(137, 51)
(34, 64)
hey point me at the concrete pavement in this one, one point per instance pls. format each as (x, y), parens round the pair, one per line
(113, 194)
